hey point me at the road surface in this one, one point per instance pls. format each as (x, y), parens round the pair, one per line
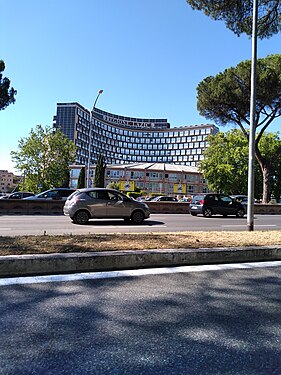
(221, 321)
(18, 225)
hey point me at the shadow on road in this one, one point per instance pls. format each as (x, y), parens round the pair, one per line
(120, 222)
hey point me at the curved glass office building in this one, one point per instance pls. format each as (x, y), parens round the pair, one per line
(124, 140)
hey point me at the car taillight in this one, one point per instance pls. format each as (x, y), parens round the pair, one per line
(202, 201)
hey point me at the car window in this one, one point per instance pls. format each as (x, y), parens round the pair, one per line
(53, 194)
(197, 199)
(99, 194)
(226, 199)
(102, 195)
(64, 193)
(15, 196)
(49, 194)
(115, 196)
(212, 198)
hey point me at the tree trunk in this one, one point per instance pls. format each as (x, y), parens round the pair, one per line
(266, 184)
(265, 167)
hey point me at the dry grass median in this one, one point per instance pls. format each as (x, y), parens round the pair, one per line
(134, 241)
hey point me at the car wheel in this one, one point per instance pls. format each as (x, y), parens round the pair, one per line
(240, 212)
(137, 217)
(193, 213)
(207, 212)
(81, 217)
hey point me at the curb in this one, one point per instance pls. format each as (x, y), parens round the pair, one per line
(46, 264)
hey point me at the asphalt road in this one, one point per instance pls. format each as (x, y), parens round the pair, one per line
(221, 321)
(12, 225)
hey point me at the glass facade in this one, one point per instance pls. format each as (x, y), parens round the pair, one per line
(124, 140)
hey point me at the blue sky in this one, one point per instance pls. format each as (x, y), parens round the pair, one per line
(147, 55)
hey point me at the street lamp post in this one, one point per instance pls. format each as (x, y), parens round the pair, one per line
(250, 208)
(88, 178)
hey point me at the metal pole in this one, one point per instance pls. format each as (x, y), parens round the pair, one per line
(88, 178)
(251, 165)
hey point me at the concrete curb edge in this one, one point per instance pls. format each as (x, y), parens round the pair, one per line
(46, 264)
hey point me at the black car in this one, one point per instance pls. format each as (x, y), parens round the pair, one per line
(215, 204)
(18, 195)
(164, 198)
(53, 194)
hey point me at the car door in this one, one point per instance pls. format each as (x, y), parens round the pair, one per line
(212, 201)
(226, 205)
(118, 205)
(96, 203)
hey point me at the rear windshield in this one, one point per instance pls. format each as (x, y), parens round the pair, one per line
(197, 198)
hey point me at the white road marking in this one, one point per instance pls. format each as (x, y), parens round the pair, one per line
(134, 273)
(243, 225)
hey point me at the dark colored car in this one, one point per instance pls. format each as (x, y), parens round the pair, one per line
(60, 194)
(102, 203)
(164, 198)
(18, 195)
(215, 204)
(240, 198)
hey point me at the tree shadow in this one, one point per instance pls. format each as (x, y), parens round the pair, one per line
(216, 322)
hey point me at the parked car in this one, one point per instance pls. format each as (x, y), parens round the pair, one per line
(240, 198)
(186, 199)
(53, 194)
(18, 195)
(243, 199)
(215, 204)
(164, 198)
(90, 203)
(5, 196)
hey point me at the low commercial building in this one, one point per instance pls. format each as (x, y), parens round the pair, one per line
(160, 178)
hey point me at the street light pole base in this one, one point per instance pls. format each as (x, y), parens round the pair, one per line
(250, 227)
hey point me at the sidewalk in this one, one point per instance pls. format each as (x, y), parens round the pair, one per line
(28, 265)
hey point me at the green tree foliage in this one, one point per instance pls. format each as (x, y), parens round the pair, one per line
(113, 185)
(225, 99)
(225, 164)
(81, 178)
(100, 172)
(7, 94)
(44, 158)
(237, 14)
